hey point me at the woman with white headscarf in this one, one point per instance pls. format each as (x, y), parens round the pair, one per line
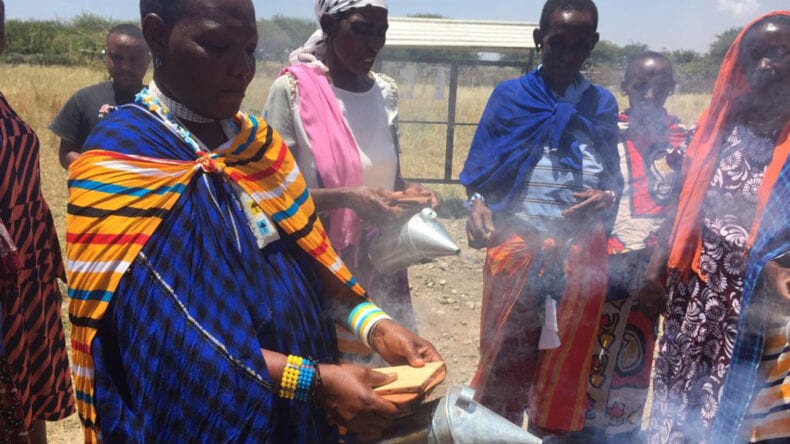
(340, 120)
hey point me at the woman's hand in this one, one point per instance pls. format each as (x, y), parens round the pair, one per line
(400, 346)
(418, 189)
(653, 294)
(480, 226)
(591, 201)
(346, 395)
(372, 205)
(777, 284)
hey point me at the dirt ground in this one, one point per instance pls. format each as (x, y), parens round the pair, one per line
(446, 294)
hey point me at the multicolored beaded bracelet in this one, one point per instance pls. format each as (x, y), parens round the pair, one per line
(363, 318)
(297, 380)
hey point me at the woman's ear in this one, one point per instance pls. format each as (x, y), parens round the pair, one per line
(156, 34)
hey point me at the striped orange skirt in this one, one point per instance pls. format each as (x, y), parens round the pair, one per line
(512, 374)
(768, 418)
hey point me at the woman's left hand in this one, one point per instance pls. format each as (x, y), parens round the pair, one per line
(591, 201)
(400, 346)
(418, 189)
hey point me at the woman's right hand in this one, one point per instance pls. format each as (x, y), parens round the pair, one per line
(480, 226)
(346, 395)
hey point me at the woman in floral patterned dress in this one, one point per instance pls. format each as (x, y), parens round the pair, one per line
(731, 166)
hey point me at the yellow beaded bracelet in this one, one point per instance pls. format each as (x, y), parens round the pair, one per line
(297, 379)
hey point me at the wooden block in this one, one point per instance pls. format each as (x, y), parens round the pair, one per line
(412, 384)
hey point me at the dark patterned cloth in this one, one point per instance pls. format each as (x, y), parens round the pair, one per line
(701, 318)
(33, 338)
(620, 373)
(12, 420)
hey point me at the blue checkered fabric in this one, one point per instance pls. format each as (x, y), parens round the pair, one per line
(177, 356)
(773, 240)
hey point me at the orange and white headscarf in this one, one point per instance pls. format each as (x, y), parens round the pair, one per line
(702, 156)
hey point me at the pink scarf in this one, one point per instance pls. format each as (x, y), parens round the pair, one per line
(334, 148)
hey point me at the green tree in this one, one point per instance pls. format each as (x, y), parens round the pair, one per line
(721, 44)
(298, 29)
(519, 58)
(77, 41)
(606, 53)
(273, 41)
(685, 56)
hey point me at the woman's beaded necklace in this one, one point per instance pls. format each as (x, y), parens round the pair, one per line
(152, 99)
(181, 111)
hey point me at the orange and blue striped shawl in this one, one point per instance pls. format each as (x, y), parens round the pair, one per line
(117, 201)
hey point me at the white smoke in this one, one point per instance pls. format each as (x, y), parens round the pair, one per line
(738, 8)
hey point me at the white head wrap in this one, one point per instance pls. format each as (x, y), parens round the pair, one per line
(314, 49)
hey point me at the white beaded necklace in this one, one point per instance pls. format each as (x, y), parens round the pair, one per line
(153, 99)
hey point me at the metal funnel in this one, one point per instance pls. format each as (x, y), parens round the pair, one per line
(460, 419)
(419, 240)
(454, 418)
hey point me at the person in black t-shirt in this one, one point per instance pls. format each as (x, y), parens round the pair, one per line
(127, 59)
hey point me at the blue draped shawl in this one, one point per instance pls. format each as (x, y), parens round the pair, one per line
(772, 240)
(521, 118)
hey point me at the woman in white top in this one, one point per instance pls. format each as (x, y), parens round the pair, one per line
(341, 122)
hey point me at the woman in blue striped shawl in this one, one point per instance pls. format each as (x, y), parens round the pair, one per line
(209, 317)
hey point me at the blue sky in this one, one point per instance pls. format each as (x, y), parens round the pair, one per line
(662, 24)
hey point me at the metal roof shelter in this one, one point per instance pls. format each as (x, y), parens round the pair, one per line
(480, 36)
(467, 35)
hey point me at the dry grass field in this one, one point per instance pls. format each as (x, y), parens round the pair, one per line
(37, 93)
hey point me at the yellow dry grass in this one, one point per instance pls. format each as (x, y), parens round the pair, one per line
(37, 93)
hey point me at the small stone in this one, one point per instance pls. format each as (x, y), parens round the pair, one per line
(471, 305)
(454, 291)
(450, 301)
(440, 312)
(443, 282)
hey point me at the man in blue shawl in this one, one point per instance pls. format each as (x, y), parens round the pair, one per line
(543, 178)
